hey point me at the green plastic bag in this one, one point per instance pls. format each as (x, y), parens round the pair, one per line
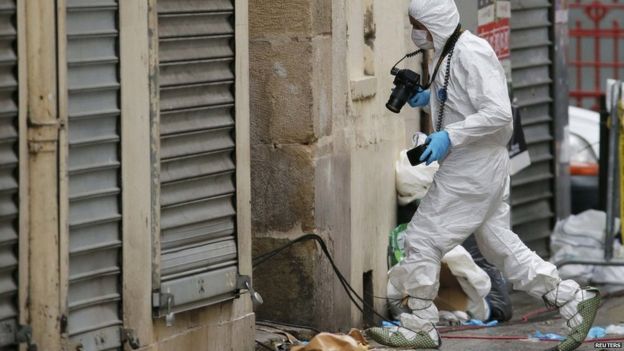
(396, 251)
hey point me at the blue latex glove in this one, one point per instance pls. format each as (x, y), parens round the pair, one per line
(439, 144)
(478, 323)
(420, 99)
(596, 332)
(548, 336)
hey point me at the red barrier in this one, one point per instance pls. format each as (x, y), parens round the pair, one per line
(601, 32)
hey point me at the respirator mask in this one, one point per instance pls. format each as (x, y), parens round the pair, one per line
(419, 37)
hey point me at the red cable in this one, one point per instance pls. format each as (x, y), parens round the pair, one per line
(484, 337)
(462, 328)
(540, 311)
(525, 318)
(510, 337)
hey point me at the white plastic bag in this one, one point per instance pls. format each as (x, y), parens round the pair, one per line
(413, 182)
(615, 329)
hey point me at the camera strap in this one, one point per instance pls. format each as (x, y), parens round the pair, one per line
(448, 50)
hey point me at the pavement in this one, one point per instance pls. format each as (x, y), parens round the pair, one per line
(611, 312)
(492, 339)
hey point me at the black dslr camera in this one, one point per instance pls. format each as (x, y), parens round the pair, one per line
(406, 83)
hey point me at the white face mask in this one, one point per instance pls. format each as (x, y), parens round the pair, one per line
(419, 37)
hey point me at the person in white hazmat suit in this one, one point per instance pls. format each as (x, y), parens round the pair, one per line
(469, 190)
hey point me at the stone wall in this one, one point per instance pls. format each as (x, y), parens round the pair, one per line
(323, 150)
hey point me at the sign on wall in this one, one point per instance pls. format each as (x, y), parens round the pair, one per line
(494, 26)
(497, 34)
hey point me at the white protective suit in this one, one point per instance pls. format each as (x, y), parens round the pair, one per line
(469, 190)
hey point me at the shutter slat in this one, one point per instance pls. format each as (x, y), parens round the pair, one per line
(196, 24)
(182, 260)
(196, 119)
(190, 6)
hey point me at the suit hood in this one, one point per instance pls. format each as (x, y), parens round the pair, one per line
(440, 17)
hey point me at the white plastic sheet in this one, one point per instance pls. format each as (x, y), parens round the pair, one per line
(582, 237)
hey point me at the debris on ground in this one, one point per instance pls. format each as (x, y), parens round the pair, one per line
(299, 332)
(519, 334)
(480, 323)
(538, 335)
(448, 318)
(596, 332)
(274, 338)
(615, 329)
(354, 341)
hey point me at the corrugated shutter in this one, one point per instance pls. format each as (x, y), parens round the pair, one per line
(198, 215)
(94, 174)
(532, 194)
(9, 174)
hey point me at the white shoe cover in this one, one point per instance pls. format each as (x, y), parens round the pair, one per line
(567, 296)
(420, 320)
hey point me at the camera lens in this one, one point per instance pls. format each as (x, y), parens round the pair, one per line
(398, 98)
(390, 105)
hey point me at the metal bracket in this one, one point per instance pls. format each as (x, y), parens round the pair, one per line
(129, 336)
(244, 283)
(165, 301)
(23, 335)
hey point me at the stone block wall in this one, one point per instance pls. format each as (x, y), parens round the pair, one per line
(323, 150)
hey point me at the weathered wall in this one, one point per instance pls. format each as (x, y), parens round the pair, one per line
(290, 57)
(228, 326)
(43, 277)
(323, 149)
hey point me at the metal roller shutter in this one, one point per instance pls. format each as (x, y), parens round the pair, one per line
(532, 194)
(9, 175)
(198, 215)
(94, 174)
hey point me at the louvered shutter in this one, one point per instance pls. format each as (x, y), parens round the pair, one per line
(532, 193)
(9, 174)
(198, 259)
(94, 174)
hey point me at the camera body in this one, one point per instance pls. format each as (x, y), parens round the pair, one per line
(406, 84)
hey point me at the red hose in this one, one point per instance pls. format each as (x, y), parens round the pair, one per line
(525, 318)
(510, 337)
(485, 337)
(538, 312)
